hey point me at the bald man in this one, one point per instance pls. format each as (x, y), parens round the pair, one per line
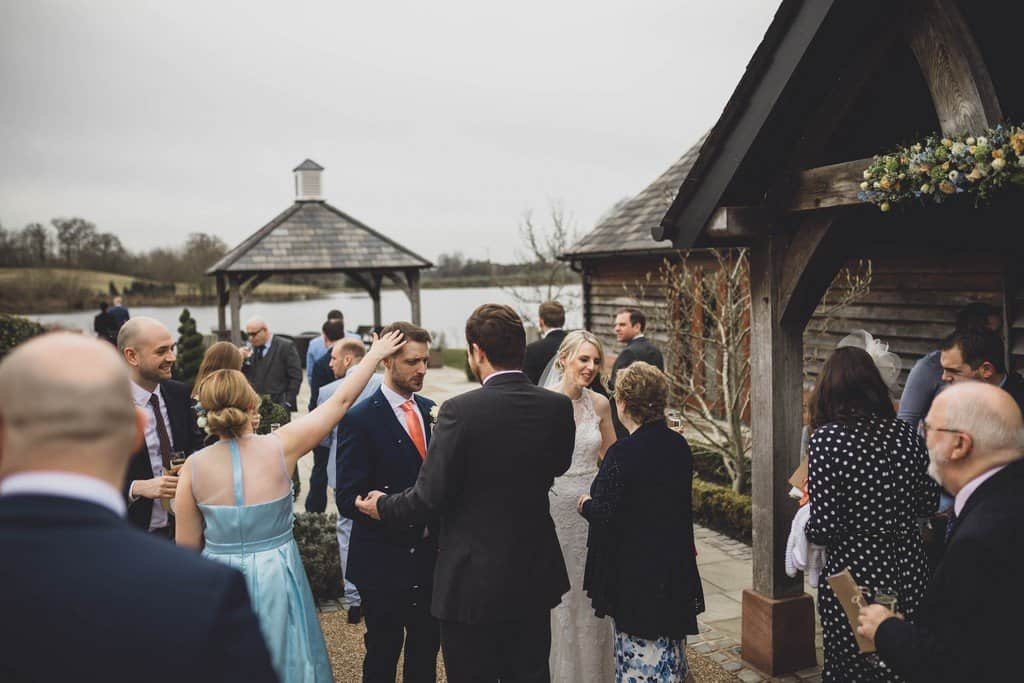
(273, 366)
(148, 349)
(967, 624)
(84, 596)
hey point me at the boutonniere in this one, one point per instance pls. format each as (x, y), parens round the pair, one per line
(433, 414)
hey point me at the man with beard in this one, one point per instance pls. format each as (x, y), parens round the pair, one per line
(977, 355)
(965, 628)
(148, 348)
(381, 444)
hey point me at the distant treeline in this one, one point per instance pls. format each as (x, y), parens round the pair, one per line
(76, 243)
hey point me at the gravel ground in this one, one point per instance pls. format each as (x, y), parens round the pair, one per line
(345, 647)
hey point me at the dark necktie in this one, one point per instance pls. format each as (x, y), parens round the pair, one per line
(161, 432)
(260, 352)
(950, 523)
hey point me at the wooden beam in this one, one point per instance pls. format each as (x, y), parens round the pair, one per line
(736, 221)
(375, 294)
(814, 255)
(399, 281)
(413, 292)
(222, 302)
(235, 298)
(827, 186)
(961, 87)
(254, 282)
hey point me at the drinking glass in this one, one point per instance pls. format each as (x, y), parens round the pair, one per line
(674, 418)
(886, 599)
(176, 462)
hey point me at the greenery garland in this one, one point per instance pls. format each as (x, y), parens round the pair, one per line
(940, 168)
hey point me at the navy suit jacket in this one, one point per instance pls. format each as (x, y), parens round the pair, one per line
(86, 597)
(376, 453)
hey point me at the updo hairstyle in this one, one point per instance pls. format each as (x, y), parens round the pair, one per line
(227, 398)
(570, 348)
(642, 391)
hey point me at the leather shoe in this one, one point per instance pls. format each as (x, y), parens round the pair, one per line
(355, 614)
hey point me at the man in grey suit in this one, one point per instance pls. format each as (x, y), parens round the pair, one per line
(273, 366)
(630, 324)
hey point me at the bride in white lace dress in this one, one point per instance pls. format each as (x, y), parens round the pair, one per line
(582, 645)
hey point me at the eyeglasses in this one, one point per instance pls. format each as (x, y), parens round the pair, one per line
(925, 428)
(253, 334)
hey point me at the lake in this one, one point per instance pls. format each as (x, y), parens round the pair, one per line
(444, 311)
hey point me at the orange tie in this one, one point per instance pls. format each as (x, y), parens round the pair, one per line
(412, 425)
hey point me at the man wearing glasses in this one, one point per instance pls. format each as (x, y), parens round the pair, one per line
(272, 366)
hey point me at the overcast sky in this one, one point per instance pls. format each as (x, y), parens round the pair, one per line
(439, 123)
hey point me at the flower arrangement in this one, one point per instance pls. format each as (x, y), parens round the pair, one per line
(939, 168)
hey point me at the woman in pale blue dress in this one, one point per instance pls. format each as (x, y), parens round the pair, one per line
(234, 501)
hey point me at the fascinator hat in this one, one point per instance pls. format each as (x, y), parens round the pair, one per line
(887, 362)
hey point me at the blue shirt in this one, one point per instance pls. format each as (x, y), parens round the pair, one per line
(923, 383)
(316, 349)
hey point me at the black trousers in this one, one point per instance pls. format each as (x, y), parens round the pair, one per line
(389, 624)
(316, 498)
(511, 652)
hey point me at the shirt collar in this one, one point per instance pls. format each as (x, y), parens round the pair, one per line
(270, 340)
(65, 485)
(393, 397)
(141, 396)
(965, 493)
(491, 376)
(553, 329)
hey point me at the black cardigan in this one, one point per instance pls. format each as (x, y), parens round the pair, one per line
(641, 567)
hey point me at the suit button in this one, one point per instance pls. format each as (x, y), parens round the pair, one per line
(414, 604)
(412, 551)
(416, 586)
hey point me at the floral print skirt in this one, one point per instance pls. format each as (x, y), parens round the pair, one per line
(639, 660)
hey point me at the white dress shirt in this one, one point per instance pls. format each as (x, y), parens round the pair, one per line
(158, 519)
(553, 329)
(965, 493)
(64, 485)
(396, 400)
(499, 372)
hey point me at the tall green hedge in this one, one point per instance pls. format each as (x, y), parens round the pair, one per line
(14, 330)
(317, 537)
(718, 508)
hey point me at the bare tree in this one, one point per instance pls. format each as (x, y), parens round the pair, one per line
(551, 278)
(849, 286)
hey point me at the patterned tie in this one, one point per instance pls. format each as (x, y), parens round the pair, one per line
(161, 433)
(950, 523)
(412, 425)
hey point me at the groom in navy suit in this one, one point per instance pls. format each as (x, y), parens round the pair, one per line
(381, 444)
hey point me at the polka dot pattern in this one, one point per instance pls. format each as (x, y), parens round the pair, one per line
(868, 482)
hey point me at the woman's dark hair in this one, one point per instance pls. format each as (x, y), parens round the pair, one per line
(498, 331)
(849, 387)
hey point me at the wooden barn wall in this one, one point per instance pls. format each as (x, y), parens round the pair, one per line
(912, 303)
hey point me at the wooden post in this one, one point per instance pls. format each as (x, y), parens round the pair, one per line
(235, 297)
(222, 300)
(375, 295)
(413, 277)
(789, 272)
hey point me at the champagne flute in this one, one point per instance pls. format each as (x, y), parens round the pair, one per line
(674, 418)
(175, 462)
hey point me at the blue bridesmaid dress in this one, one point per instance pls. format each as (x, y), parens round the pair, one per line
(257, 540)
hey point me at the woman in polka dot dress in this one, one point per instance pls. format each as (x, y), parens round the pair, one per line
(868, 483)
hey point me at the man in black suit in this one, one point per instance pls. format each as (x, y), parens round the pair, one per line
(551, 316)
(494, 455)
(977, 354)
(148, 349)
(131, 607)
(273, 366)
(966, 625)
(630, 324)
(382, 442)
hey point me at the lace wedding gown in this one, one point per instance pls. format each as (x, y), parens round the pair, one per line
(582, 646)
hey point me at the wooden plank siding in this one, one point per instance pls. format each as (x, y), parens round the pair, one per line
(912, 304)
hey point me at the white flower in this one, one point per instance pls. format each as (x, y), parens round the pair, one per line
(982, 140)
(958, 147)
(970, 141)
(877, 185)
(433, 414)
(926, 188)
(998, 164)
(201, 422)
(885, 206)
(867, 174)
(865, 185)
(953, 175)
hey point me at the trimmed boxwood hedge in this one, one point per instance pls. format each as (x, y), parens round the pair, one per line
(718, 508)
(316, 535)
(15, 330)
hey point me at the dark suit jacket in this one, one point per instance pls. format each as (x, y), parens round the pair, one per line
(637, 349)
(87, 598)
(278, 373)
(185, 436)
(322, 375)
(1014, 386)
(967, 626)
(641, 508)
(493, 457)
(540, 353)
(376, 453)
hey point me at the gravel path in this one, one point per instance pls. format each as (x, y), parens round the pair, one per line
(345, 647)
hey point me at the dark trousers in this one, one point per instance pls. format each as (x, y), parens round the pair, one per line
(316, 499)
(388, 625)
(512, 652)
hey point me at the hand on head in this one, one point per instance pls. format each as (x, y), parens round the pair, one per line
(387, 345)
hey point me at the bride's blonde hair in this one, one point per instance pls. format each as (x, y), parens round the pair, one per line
(227, 398)
(570, 348)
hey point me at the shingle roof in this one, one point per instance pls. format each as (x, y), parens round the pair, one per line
(315, 236)
(308, 165)
(628, 229)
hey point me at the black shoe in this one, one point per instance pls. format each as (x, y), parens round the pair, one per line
(355, 614)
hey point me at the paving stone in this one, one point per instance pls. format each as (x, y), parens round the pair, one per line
(703, 649)
(704, 628)
(788, 678)
(732, 665)
(749, 676)
(721, 657)
(809, 672)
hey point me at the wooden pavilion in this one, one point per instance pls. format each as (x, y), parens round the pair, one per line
(833, 83)
(311, 236)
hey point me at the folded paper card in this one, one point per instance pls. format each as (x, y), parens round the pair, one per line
(851, 598)
(799, 476)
